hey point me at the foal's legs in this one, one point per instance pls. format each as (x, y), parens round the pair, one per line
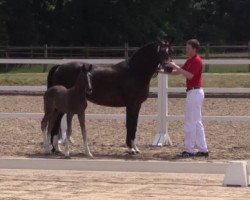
(53, 138)
(55, 132)
(69, 131)
(131, 124)
(44, 124)
(81, 118)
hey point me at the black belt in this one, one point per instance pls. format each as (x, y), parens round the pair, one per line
(192, 88)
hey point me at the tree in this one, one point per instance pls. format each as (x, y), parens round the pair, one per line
(3, 28)
(113, 22)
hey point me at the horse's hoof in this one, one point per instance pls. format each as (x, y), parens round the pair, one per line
(137, 151)
(90, 155)
(66, 154)
(47, 152)
(58, 153)
(53, 150)
(67, 157)
(131, 151)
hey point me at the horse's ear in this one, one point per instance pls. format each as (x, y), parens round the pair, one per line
(83, 68)
(160, 41)
(169, 39)
(90, 67)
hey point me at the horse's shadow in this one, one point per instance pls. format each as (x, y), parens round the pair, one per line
(115, 156)
(45, 156)
(83, 156)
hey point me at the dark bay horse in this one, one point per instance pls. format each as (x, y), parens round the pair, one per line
(125, 84)
(59, 99)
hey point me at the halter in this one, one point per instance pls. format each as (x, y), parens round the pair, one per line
(160, 65)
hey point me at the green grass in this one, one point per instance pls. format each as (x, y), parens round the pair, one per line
(218, 76)
(228, 69)
(24, 68)
(23, 79)
(227, 80)
(39, 69)
(210, 79)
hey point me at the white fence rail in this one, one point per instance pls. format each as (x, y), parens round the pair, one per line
(170, 118)
(113, 61)
(162, 117)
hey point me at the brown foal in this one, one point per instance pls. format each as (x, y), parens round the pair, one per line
(59, 99)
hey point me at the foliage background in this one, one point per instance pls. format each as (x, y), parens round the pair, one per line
(113, 22)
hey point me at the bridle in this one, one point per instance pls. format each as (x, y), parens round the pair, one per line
(163, 61)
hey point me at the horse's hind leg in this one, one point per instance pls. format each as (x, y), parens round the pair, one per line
(69, 126)
(68, 134)
(53, 137)
(55, 132)
(44, 124)
(81, 118)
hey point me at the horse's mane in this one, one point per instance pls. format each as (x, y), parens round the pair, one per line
(142, 48)
(141, 52)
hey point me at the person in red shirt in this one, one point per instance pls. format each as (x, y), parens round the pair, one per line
(193, 127)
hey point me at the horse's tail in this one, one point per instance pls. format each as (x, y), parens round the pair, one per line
(50, 76)
(44, 123)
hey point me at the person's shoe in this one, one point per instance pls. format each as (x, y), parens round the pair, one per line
(186, 154)
(202, 154)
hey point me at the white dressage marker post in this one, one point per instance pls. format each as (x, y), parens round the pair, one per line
(162, 136)
(236, 174)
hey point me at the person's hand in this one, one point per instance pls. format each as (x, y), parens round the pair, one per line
(161, 71)
(172, 65)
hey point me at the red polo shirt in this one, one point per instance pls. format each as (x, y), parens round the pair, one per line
(194, 66)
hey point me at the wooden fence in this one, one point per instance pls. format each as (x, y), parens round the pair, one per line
(208, 51)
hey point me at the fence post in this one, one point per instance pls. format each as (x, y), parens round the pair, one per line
(162, 137)
(249, 55)
(7, 56)
(45, 66)
(126, 50)
(87, 51)
(207, 56)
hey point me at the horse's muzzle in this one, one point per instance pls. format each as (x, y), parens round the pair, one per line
(89, 91)
(166, 69)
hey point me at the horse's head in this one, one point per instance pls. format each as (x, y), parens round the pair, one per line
(149, 58)
(86, 72)
(164, 51)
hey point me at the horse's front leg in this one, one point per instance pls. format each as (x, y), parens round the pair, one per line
(81, 118)
(68, 134)
(131, 124)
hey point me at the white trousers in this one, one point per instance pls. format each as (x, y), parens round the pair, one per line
(193, 127)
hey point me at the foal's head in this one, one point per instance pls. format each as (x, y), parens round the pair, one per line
(165, 51)
(84, 79)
